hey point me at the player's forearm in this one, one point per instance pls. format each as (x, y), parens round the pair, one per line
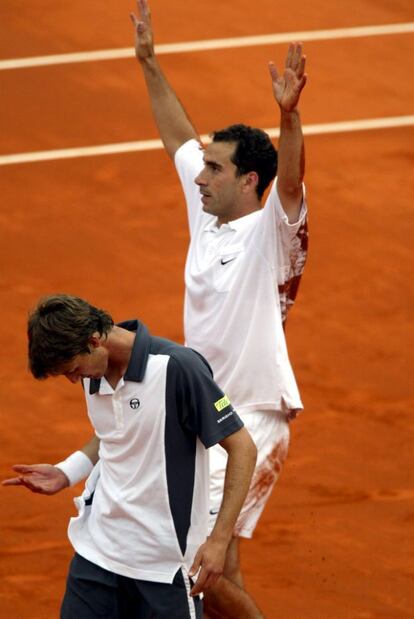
(240, 466)
(91, 449)
(173, 124)
(291, 163)
(291, 151)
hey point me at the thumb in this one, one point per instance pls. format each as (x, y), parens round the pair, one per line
(196, 563)
(14, 481)
(273, 71)
(134, 19)
(302, 82)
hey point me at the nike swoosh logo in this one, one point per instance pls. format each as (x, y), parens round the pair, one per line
(213, 512)
(229, 260)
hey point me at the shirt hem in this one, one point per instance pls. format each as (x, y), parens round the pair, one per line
(282, 406)
(121, 570)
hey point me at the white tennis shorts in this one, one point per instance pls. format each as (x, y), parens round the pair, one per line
(270, 432)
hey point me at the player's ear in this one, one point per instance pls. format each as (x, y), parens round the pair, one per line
(251, 181)
(95, 340)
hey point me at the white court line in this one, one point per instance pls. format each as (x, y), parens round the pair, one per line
(146, 145)
(194, 46)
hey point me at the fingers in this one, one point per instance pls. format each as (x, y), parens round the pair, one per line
(138, 25)
(295, 60)
(273, 71)
(41, 478)
(196, 564)
(22, 481)
(207, 573)
(293, 56)
(143, 23)
(144, 11)
(19, 481)
(134, 19)
(14, 481)
(24, 468)
(198, 587)
(289, 57)
(199, 584)
(302, 82)
(204, 581)
(301, 67)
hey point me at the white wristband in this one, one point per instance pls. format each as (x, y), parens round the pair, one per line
(76, 467)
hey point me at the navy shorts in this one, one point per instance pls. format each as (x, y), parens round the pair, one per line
(95, 593)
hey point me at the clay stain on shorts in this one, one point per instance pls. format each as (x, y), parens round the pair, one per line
(264, 478)
(268, 472)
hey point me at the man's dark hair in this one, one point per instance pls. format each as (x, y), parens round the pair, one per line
(59, 328)
(254, 152)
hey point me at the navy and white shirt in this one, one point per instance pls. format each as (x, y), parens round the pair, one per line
(149, 510)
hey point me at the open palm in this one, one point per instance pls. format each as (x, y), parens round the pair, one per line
(144, 43)
(41, 478)
(287, 87)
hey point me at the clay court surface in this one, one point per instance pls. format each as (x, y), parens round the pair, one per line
(336, 540)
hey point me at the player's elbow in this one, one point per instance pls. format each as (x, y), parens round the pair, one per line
(251, 450)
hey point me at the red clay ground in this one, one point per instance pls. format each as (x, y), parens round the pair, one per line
(336, 540)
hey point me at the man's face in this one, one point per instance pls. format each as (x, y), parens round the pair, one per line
(219, 186)
(86, 365)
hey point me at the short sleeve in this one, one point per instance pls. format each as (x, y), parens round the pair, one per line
(286, 247)
(205, 409)
(273, 203)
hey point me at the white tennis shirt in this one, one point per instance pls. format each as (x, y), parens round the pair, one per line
(241, 278)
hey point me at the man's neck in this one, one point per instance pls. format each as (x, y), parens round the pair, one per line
(245, 207)
(119, 344)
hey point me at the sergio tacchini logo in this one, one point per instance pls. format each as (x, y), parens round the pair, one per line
(134, 403)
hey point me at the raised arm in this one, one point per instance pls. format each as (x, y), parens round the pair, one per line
(173, 124)
(49, 478)
(241, 461)
(291, 152)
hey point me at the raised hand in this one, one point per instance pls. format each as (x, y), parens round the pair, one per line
(41, 478)
(287, 87)
(144, 43)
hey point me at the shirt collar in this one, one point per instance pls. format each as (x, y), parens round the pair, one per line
(236, 224)
(139, 355)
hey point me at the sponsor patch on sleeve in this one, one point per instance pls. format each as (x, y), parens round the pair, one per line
(222, 403)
